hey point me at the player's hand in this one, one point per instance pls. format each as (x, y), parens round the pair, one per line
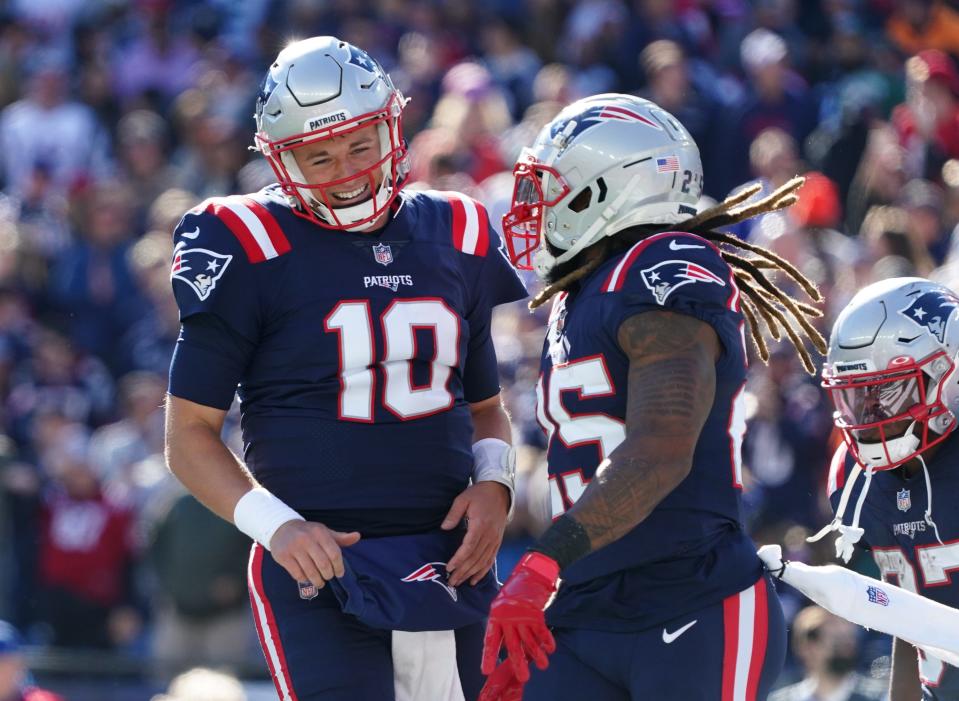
(502, 685)
(485, 506)
(516, 617)
(310, 551)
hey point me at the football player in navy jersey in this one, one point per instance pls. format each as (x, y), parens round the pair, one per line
(650, 585)
(891, 372)
(376, 473)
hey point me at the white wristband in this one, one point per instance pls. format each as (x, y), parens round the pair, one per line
(259, 514)
(495, 461)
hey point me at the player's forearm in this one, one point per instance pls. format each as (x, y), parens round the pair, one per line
(490, 420)
(199, 459)
(626, 488)
(904, 677)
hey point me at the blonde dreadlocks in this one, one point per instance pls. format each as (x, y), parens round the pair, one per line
(761, 300)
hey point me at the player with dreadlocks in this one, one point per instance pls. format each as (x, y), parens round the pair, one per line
(641, 397)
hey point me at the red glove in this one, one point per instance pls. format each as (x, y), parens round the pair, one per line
(502, 685)
(516, 616)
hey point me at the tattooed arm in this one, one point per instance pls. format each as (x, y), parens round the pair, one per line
(672, 384)
(671, 387)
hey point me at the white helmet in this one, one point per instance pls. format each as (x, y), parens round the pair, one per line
(605, 163)
(319, 88)
(890, 370)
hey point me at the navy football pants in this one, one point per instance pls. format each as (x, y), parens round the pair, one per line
(316, 652)
(730, 651)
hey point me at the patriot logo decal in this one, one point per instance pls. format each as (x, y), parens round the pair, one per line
(361, 59)
(382, 254)
(877, 596)
(432, 572)
(903, 500)
(670, 275)
(932, 311)
(199, 268)
(593, 115)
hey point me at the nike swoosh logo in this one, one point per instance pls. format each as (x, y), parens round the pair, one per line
(196, 232)
(674, 246)
(670, 637)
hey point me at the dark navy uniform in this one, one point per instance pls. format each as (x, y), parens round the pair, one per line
(906, 547)
(357, 357)
(679, 607)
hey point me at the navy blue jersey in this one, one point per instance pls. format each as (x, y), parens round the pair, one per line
(356, 355)
(691, 551)
(904, 545)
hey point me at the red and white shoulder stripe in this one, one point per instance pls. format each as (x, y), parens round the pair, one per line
(837, 470)
(470, 225)
(251, 223)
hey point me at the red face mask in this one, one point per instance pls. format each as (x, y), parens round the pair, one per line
(876, 408)
(319, 206)
(523, 224)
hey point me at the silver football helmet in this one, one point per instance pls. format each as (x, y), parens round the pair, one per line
(890, 370)
(317, 89)
(605, 163)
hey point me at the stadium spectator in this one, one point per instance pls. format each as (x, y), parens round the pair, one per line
(924, 24)
(928, 122)
(86, 548)
(203, 615)
(828, 648)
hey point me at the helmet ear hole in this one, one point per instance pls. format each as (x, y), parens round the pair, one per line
(582, 200)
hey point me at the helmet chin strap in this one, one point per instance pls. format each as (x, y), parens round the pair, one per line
(874, 454)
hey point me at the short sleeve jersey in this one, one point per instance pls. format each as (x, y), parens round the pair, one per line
(355, 356)
(691, 550)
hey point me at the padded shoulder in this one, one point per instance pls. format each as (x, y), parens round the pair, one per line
(250, 222)
(673, 266)
(463, 221)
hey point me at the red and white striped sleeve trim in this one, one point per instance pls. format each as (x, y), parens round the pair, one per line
(837, 470)
(254, 227)
(470, 224)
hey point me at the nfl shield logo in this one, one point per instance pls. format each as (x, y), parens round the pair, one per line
(877, 596)
(903, 501)
(382, 254)
(308, 590)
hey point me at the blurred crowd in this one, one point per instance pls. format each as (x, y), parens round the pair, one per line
(117, 116)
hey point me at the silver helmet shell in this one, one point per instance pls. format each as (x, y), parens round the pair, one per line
(317, 89)
(603, 164)
(890, 370)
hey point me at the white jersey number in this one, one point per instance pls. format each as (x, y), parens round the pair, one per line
(588, 378)
(936, 563)
(353, 323)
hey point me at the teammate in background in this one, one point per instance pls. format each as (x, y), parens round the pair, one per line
(890, 372)
(356, 321)
(641, 398)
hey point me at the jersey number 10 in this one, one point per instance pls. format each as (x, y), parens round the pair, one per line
(352, 321)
